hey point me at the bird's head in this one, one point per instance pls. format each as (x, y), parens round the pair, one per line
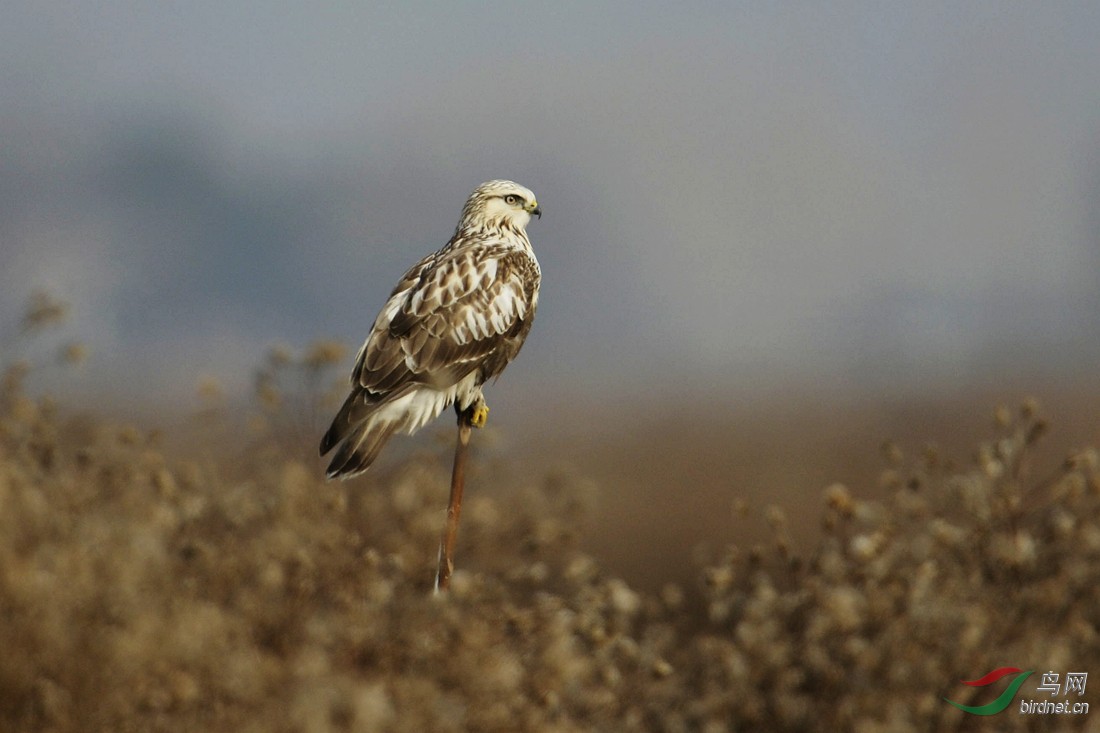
(500, 204)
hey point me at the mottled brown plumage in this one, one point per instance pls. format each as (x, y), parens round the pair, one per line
(454, 321)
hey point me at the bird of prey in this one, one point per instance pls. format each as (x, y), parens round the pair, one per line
(454, 321)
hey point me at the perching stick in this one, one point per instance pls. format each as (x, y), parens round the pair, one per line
(454, 506)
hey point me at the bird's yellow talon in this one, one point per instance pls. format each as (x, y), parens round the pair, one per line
(480, 416)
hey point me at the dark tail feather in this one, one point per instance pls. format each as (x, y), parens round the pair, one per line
(360, 449)
(355, 409)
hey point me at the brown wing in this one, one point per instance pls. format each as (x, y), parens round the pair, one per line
(454, 313)
(462, 309)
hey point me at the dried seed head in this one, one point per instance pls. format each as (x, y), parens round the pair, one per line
(846, 607)
(839, 498)
(719, 578)
(74, 354)
(775, 517)
(740, 508)
(892, 453)
(280, 355)
(865, 547)
(325, 353)
(210, 390)
(1037, 430)
(1029, 408)
(672, 596)
(43, 310)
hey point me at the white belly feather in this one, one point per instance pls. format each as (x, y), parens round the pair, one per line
(414, 410)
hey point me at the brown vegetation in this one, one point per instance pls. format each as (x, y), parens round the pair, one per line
(153, 592)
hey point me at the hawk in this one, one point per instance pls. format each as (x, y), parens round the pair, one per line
(454, 321)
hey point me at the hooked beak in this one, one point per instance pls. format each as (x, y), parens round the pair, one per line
(534, 209)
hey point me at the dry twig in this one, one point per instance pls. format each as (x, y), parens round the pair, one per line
(454, 505)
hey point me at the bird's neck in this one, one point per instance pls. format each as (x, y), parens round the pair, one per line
(500, 230)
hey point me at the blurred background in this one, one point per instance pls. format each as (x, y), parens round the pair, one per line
(774, 235)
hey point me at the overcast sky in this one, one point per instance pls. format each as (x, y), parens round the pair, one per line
(846, 192)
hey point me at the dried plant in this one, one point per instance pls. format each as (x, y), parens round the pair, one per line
(295, 393)
(145, 591)
(21, 347)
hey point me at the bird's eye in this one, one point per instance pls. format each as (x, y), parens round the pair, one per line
(511, 199)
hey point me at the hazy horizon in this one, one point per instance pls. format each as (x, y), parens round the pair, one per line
(858, 196)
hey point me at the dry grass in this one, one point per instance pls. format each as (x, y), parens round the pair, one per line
(151, 592)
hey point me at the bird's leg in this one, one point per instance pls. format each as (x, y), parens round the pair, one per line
(454, 506)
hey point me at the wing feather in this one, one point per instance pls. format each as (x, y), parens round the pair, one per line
(459, 314)
(441, 326)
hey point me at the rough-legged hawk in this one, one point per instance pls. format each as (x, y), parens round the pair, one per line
(453, 322)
